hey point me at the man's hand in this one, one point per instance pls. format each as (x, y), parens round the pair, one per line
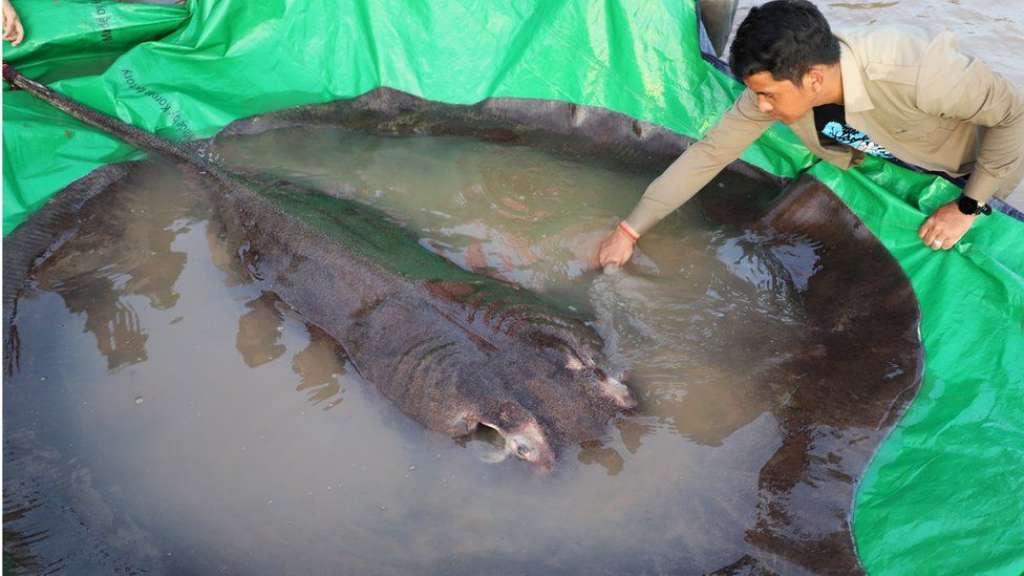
(13, 31)
(945, 227)
(616, 249)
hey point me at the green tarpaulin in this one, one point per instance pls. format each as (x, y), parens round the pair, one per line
(945, 493)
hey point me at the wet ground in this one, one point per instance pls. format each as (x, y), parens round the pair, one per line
(168, 416)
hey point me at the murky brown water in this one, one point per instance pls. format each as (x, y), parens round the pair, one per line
(168, 416)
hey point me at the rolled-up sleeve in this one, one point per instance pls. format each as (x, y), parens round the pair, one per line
(701, 162)
(953, 85)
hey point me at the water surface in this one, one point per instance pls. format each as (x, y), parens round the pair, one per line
(167, 415)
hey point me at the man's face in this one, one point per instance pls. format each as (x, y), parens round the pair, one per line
(783, 100)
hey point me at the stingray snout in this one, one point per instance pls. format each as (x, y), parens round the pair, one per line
(523, 436)
(617, 392)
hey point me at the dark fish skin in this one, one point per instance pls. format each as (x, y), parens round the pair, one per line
(453, 350)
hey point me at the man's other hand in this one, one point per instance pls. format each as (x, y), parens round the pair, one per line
(616, 249)
(945, 227)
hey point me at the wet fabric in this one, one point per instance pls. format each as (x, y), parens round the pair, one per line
(950, 470)
(70, 39)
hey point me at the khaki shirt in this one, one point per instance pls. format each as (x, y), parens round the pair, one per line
(916, 95)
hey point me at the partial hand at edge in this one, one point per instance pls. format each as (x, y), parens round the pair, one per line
(14, 32)
(943, 229)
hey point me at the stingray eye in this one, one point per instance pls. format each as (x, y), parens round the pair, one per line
(523, 451)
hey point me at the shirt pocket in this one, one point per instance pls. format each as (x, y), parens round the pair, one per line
(923, 129)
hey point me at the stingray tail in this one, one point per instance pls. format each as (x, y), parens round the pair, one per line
(126, 132)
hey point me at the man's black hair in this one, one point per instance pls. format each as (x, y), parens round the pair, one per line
(784, 37)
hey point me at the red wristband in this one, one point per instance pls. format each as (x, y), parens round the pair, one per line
(628, 231)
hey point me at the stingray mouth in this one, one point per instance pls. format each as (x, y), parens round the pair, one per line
(527, 442)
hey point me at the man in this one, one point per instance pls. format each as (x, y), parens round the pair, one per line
(899, 94)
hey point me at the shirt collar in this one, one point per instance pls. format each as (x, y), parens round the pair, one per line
(855, 95)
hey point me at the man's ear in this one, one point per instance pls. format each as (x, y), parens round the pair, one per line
(815, 78)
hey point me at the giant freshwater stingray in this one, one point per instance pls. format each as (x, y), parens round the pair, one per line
(452, 349)
(835, 399)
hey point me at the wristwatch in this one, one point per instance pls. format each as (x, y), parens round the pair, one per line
(968, 205)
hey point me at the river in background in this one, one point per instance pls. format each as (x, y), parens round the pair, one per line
(992, 31)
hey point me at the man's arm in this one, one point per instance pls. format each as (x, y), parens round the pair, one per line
(953, 85)
(701, 162)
